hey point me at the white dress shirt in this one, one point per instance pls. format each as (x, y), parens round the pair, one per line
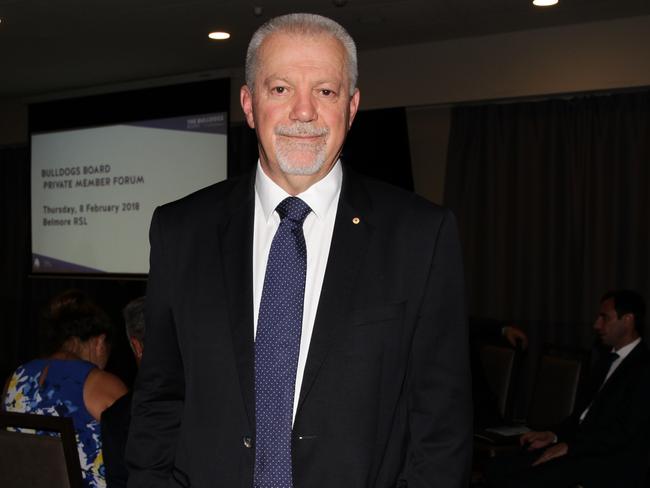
(322, 197)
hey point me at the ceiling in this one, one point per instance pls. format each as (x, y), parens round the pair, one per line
(49, 46)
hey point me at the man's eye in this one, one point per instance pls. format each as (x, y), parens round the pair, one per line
(279, 90)
(327, 93)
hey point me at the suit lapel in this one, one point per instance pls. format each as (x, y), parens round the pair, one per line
(635, 355)
(352, 233)
(236, 236)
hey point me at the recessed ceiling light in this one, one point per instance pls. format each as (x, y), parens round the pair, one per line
(219, 36)
(544, 3)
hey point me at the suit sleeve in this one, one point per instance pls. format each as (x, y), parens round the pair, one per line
(440, 406)
(114, 428)
(158, 396)
(568, 427)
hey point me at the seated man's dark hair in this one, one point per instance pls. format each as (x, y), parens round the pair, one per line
(628, 301)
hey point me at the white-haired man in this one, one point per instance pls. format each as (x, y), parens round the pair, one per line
(306, 326)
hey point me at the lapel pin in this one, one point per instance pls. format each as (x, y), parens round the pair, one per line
(356, 220)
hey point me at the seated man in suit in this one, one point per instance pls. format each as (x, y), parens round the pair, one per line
(116, 419)
(603, 443)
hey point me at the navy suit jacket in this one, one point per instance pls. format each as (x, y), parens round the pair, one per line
(385, 398)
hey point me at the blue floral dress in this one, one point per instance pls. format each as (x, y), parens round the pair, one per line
(60, 394)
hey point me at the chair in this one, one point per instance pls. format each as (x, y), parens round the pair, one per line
(500, 365)
(560, 373)
(34, 460)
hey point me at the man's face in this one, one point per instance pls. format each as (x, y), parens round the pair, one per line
(300, 107)
(611, 330)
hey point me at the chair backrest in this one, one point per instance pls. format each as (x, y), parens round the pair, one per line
(35, 460)
(559, 376)
(499, 365)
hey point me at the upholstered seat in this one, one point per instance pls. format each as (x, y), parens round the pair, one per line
(37, 460)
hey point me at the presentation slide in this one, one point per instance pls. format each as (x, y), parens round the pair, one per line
(94, 190)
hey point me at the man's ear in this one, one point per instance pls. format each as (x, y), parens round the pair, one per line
(354, 105)
(628, 320)
(246, 101)
(137, 346)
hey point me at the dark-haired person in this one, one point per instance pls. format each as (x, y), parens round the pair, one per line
(70, 382)
(603, 444)
(116, 419)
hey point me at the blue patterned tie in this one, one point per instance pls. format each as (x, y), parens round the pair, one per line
(277, 345)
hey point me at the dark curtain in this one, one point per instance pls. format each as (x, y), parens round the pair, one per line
(378, 146)
(553, 208)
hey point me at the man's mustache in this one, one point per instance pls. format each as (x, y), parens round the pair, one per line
(301, 129)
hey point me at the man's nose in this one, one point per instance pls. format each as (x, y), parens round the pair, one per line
(304, 107)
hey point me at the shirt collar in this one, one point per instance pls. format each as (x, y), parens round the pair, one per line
(627, 349)
(320, 196)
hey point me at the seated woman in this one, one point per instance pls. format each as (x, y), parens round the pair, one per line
(70, 381)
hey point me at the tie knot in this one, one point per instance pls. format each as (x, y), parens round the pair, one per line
(611, 357)
(294, 209)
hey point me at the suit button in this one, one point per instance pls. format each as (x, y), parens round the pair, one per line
(248, 441)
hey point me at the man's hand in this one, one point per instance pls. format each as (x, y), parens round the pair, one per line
(537, 440)
(515, 336)
(552, 452)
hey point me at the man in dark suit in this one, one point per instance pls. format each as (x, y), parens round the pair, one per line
(116, 418)
(378, 394)
(604, 442)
